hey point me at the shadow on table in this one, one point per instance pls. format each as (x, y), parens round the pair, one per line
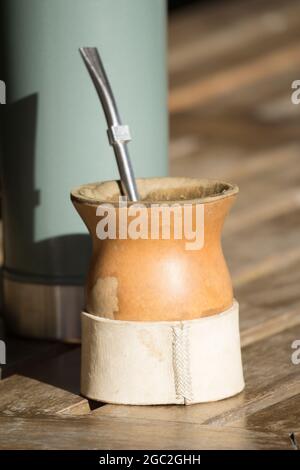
(49, 362)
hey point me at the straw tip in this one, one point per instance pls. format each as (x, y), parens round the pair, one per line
(87, 48)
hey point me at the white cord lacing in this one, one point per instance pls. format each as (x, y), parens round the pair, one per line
(181, 363)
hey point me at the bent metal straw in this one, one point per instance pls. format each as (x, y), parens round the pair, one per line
(118, 133)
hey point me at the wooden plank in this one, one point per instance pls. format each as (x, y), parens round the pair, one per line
(197, 150)
(227, 81)
(237, 130)
(250, 248)
(208, 46)
(248, 101)
(50, 387)
(242, 41)
(201, 20)
(270, 303)
(244, 167)
(283, 416)
(279, 108)
(270, 378)
(110, 433)
(255, 96)
(259, 212)
(195, 156)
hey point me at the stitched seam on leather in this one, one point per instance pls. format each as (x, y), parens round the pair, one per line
(181, 363)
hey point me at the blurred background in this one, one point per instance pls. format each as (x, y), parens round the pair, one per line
(231, 65)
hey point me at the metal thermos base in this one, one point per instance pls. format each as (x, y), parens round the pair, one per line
(43, 311)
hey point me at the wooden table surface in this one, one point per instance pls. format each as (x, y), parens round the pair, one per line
(231, 68)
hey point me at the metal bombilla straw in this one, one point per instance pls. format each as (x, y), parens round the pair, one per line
(118, 133)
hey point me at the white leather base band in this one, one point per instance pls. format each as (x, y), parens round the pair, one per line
(151, 363)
